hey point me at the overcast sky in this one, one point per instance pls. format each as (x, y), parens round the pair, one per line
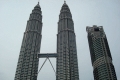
(13, 19)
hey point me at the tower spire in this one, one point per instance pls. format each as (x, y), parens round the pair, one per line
(38, 1)
(64, 1)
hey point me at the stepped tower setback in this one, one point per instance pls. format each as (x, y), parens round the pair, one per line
(67, 63)
(27, 66)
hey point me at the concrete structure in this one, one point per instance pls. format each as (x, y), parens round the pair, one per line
(67, 64)
(27, 66)
(100, 54)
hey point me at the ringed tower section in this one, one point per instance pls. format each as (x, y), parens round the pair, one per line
(67, 63)
(27, 66)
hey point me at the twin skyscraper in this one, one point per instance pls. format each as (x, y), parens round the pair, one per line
(66, 55)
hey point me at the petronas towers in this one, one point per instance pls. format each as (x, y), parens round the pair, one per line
(66, 54)
(67, 65)
(27, 66)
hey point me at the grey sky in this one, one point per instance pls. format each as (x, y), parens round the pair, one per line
(13, 19)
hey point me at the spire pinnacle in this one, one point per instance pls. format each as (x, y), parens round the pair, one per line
(38, 1)
(37, 4)
(64, 1)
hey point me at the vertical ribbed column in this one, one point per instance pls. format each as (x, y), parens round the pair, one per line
(27, 66)
(67, 64)
(100, 54)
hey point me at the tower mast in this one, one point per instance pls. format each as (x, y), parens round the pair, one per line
(64, 1)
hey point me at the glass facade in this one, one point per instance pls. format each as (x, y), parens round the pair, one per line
(100, 54)
(67, 64)
(27, 66)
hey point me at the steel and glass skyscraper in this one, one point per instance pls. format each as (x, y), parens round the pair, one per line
(67, 64)
(27, 66)
(100, 54)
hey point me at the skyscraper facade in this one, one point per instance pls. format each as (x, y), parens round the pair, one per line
(67, 64)
(27, 66)
(100, 54)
